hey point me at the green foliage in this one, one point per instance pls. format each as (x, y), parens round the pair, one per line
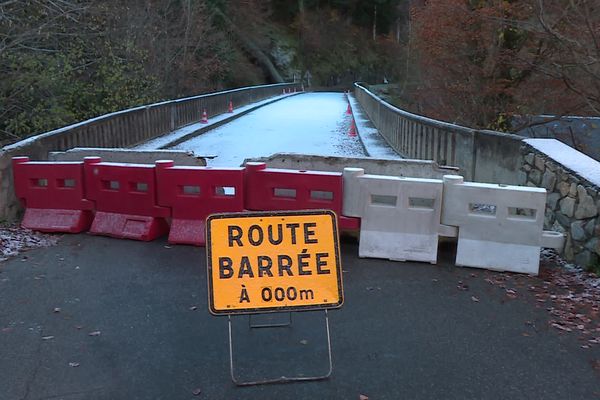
(333, 50)
(361, 12)
(58, 77)
(63, 62)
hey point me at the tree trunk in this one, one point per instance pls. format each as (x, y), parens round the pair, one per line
(262, 59)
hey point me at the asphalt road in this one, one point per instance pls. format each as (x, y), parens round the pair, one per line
(405, 332)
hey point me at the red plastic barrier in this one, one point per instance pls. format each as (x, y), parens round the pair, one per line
(125, 196)
(193, 193)
(53, 195)
(286, 189)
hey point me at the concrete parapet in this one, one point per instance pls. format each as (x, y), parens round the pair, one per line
(374, 166)
(180, 157)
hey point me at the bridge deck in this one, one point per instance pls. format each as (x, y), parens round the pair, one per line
(309, 123)
(406, 331)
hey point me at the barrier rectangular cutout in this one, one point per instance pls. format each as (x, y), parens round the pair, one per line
(419, 202)
(483, 209)
(273, 261)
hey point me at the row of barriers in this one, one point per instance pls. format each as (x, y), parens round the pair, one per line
(497, 226)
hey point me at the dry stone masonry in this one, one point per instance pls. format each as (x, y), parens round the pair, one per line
(572, 205)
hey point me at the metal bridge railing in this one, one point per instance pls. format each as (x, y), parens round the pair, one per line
(481, 155)
(125, 129)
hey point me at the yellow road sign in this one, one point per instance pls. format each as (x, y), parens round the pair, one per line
(273, 261)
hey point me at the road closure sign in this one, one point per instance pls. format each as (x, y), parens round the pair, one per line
(273, 261)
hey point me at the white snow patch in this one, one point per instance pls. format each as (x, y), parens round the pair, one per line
(311, 123)
(578, 162)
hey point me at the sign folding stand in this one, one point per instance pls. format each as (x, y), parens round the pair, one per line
(282, 379)
(277, 261)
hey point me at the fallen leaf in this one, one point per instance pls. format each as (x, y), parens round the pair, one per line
(562, 328)
(462, 286)
(196, 391)
(94, 333)
(78, 327)
(475, 299)
(193, 308)
(167, 247)
(363, 397)
(304, 341)
(73, 364)
(47, 337)
(56, 310)
(525, 334)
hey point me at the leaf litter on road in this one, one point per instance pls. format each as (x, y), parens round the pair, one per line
(14, 240)
(570, 295)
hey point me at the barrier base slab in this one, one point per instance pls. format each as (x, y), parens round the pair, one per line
(57, 220)
(511, 257)
(398, 246)
(187, 231)
(125, 226)
(349, 223)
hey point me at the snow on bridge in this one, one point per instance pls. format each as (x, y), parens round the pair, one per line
(309, 123)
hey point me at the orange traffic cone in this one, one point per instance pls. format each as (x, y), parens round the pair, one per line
(230, 106)
(204, 119)
(352, 131)
(349, 110)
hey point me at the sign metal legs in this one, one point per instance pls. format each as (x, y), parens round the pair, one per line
(282, 379)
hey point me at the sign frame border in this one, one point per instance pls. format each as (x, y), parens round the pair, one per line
(275, 309)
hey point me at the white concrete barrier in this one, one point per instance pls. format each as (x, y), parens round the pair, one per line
(500, 227)
(400, 217)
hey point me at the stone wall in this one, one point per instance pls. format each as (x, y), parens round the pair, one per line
(572, 205)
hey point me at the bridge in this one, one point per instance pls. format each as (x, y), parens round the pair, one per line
(111, 318)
